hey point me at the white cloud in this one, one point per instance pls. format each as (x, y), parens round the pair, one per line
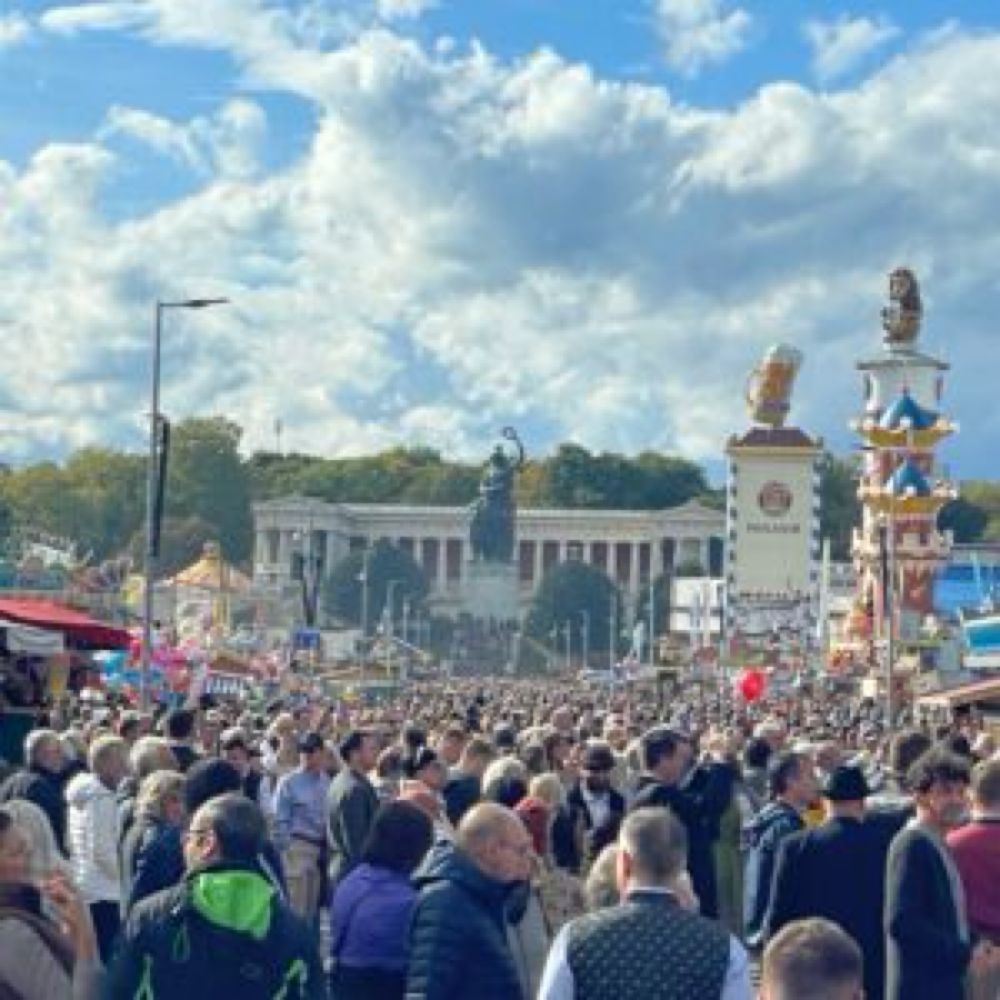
(392, 10)
(469, 242)
(115, 15)
(840, 46)
(700, 33)
(14, 29)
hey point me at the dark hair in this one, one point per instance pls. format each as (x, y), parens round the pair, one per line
(208, 779)
(238, 825)
(351, 744)
(811, 958)
(178, 723)
(420, 758)
(6, 821)
(958, 743)
(904, 750)
(757, 753)
(413, 736)
(508, 791)
(390, 763)
(934, 767)
(400, 835)
(657, 744)
(782, 770)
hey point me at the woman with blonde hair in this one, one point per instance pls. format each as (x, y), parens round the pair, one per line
(44, 857)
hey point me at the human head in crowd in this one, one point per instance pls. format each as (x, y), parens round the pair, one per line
(234, 746)
(600, 890)
(107, 759)
(812, 958)
(792, 778)
(986, 788)
(984, 747)
(359, 750)
(652, 850)
(149, 754)
(598, 764)
(939, 781)
(534, 815)
(505, 738)
(666, 754)
(549, 788)
(130, 727)
(451, 743)
(178, 725)
(389, 766)
(208, 779)
(615, 733)
(161, 798)
(773, 732)
(14, 850)
(505, 779)
(43, 751)
(423, 765)
(400, 835)
(413, 737)
(44, 856)
(497, 842)
(477, 754)
(533, 756)
(74, 745)
(312, 752)
(226, 828)
(757, 753)
(845, 790)
(905, 748)
(958, 743)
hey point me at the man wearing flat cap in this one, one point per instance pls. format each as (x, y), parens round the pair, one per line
(594, 805)
(837, 871)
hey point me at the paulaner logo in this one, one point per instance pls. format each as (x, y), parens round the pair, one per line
(774, 499)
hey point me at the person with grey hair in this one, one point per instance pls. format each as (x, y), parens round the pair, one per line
(605, 953)
(40, 780)
(146, 755)
(812, 958)
(224, 930)
(93, 836)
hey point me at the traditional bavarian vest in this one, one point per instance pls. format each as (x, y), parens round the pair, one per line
(647, 948)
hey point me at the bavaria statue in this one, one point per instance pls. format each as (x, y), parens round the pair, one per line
(493, 513)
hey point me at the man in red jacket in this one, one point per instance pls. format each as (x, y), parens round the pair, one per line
(976, 848)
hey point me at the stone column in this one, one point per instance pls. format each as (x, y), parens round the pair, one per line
(285, 554)
(655, 558)
(588, 552)
(536, 578)
(633, 576)
(703, 553)
(442, 563)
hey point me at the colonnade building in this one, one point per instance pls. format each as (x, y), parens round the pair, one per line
(632, 547)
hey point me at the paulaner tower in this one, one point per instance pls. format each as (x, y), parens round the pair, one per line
(898, 547)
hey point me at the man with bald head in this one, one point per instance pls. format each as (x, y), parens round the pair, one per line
(458, 936)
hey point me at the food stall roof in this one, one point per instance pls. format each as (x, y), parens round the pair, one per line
(75, 625)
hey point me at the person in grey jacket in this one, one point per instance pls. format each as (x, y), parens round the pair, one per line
(351, 803)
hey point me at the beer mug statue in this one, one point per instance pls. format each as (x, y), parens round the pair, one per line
(769, 387)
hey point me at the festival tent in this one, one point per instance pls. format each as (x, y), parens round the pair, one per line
(30, 616)
(212, 572)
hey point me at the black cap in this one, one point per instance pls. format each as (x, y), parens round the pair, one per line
(846, 783)
(310, 742)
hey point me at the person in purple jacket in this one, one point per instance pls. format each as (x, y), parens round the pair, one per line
(370, 909)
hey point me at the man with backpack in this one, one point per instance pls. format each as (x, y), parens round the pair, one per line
(224, 930)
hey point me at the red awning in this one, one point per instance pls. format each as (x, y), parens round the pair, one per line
(74, 624)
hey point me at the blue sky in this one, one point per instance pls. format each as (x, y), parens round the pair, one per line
(433, 219)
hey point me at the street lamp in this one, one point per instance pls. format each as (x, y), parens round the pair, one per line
(585, 615)
(153, 486)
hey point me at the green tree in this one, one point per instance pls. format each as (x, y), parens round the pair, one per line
(840, 510)
(206, 479)
(967, 520)
(567, 594)
(342, 595)
(985, 494)
(661, 604)
(182, 541)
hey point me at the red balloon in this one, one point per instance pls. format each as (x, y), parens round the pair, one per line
(751, 684)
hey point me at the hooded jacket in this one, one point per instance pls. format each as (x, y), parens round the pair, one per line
(458, 937)
(775, 822)
(223, 932)
(93, 838)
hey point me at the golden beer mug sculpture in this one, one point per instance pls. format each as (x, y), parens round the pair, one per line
(769, 387)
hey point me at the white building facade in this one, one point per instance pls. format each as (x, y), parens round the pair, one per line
(632, 547)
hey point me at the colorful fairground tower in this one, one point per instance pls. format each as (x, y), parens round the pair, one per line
(898, 547)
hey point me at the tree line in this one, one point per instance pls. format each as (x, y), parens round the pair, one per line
(96, 496)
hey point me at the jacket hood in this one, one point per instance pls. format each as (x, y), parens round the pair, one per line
(237, 900)
(84, 788)
(447, 863)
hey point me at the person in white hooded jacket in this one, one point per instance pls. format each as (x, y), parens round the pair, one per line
(93, 836)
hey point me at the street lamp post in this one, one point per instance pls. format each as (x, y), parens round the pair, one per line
(585, 615)
(152, 487)
(613, 630)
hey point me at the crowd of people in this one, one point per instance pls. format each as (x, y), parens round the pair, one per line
(502, 840)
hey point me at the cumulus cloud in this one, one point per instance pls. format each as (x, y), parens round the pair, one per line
(391, 10)
(700, 33)
(470, 241)
(14, 29)
(840, 46)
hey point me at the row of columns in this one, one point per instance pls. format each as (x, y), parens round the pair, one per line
(435, 563)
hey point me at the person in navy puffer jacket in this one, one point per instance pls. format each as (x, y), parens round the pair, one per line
(371, 908)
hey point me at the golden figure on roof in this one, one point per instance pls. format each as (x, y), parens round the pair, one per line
(769, 387)
(901, 318)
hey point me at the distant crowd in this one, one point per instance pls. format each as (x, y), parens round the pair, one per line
(502, 840)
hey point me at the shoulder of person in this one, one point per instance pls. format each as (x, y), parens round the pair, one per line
(156, 910)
